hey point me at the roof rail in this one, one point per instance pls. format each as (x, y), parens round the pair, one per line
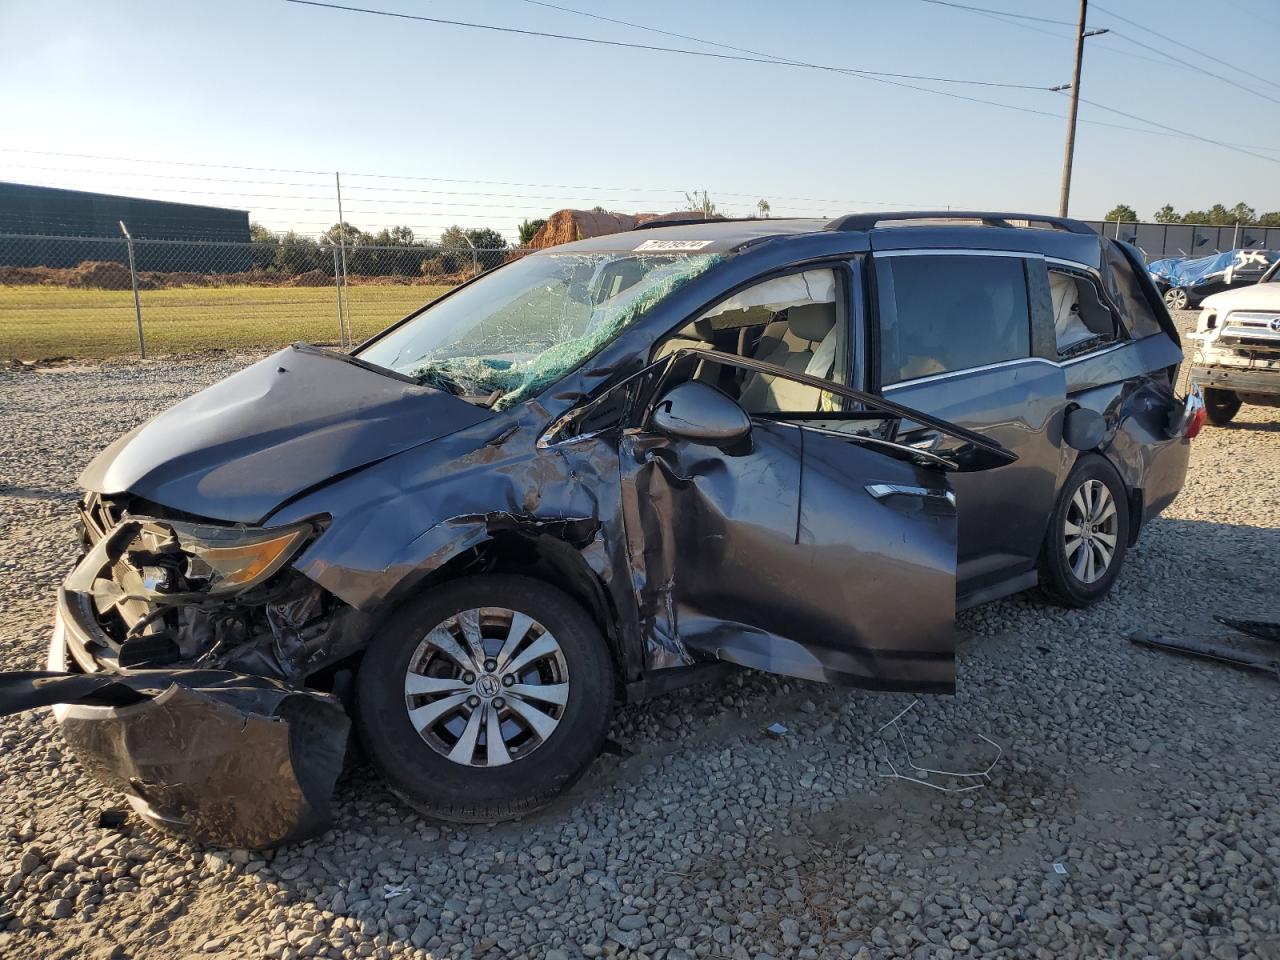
(867, 221)
(687, 221)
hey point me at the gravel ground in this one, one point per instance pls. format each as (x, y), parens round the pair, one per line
(1134, 811)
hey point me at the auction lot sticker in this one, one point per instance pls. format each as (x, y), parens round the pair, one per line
(675, 244)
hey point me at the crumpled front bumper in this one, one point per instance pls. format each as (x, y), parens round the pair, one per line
(217, 757)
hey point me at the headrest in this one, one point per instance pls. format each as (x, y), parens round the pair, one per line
(812, 321)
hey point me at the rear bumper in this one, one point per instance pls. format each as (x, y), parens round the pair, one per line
(1241, 380)
(219, 758)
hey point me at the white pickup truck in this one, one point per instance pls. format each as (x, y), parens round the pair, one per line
(1235, 348)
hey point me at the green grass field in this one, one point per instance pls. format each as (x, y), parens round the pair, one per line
(38, 322)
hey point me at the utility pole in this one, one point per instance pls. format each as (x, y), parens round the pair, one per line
(1064, 196)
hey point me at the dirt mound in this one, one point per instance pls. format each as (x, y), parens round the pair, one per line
(565, 226)
(101, 275)
(312, 278)
(28, 276)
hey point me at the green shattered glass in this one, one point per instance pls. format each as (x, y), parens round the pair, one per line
(518, 380)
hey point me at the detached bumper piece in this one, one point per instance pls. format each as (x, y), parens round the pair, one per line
(1266, 663)
(216, 757)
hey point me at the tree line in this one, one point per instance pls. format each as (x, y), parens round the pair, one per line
(392, 251)
(1219, 215)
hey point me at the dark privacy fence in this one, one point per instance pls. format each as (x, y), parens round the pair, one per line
(1160, 240)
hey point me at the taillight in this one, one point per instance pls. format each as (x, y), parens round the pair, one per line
(1187, 420)
(1195, 423)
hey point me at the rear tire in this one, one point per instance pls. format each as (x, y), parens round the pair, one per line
(1084, 547)
(1177, 298)
(542, 670)
(1221, 406)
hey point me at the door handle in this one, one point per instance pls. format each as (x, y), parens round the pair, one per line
(882, 490)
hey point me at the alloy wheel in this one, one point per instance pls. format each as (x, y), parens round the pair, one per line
(486, 687)
(1091, 531)
(1176, 298)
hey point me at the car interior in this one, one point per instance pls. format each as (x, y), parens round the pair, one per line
(1081, 321)
(791, 322)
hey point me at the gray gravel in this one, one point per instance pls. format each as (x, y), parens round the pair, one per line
(1151, 782)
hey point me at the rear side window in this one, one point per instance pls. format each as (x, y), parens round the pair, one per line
(944, 313)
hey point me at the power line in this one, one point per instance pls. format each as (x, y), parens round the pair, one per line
(1185, 46)
(1001, 13)
(1208, 140)
(640, 26)
(1167, 58)
(776, 61)
(1169, 131)
(595, 201)
(1191, 66)
(868, 75)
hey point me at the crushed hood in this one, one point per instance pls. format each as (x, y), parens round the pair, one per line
(240, 448)
(1258, 296)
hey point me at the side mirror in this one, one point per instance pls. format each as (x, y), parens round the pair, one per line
(695, 411)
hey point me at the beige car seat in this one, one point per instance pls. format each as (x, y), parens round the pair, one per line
(1068, 326)
(804, 342)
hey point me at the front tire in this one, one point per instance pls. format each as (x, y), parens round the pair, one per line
(1088, 532)
(486, 698)
(1221, 406)
(1177, 298)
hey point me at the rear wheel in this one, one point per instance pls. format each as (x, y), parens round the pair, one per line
(1221, 406)
(486, 698)
(1085, 545)
(1176, 298)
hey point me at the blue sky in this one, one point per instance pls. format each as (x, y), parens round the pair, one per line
(260, 83)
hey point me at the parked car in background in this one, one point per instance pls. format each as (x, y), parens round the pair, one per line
(1236, 348)
(597, 473)
(1185, 283)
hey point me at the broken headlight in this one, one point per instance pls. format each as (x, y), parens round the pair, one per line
(232, 559)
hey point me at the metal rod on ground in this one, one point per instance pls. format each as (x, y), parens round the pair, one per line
(342, 247)
(137, 304)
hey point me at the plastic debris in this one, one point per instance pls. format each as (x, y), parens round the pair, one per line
(775, 730)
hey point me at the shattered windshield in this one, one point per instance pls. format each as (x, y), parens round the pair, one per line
(524, 326)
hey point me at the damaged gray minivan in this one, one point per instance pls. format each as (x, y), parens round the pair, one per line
(597, 473)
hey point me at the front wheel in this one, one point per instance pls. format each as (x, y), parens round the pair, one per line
(1176, 298)
(1221, 406)
(1085, 545)
(486, 698)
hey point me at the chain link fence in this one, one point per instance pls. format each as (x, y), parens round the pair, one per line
(93, 297)
(100, 297)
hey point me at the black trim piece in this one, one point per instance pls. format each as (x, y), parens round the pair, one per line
(1044, 339)
(691, 221)
(868, 221)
